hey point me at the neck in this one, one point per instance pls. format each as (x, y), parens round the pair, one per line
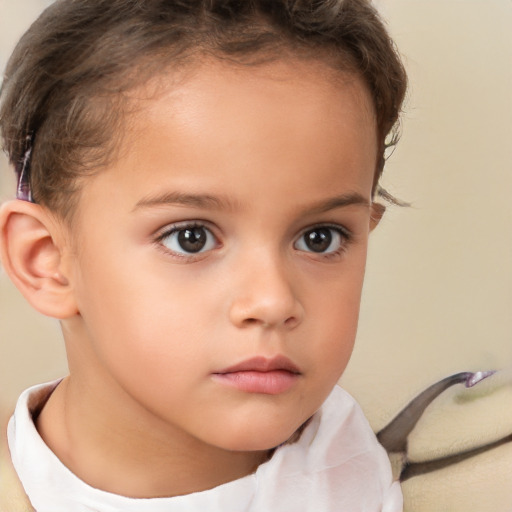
(115, 445)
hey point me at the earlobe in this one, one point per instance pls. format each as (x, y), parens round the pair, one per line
(32, 257)
(377, 212)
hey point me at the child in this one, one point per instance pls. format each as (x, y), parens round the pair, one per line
(197, 184)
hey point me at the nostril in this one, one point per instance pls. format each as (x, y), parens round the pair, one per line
(291, 322)
(251, 321)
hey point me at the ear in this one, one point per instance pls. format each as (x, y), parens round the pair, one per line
(31, 250)
(376, 214)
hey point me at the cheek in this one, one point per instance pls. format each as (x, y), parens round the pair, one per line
(144, 320)
(150, 351)
(336, 296)
(335, 313)
(339, 331)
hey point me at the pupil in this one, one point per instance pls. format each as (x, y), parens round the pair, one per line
(192, 239)
(318, 240)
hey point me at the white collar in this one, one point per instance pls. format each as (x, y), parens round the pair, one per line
(336, 465)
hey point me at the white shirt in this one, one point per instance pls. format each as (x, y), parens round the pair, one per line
(337, 465)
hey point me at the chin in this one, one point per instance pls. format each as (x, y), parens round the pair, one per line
(258, 437)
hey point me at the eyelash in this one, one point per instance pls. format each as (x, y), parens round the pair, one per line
(345, 234)
(183, 226)
(346, 238)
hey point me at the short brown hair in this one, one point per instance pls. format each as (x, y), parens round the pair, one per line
(67, 73)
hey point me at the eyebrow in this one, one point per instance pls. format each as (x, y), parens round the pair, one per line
(203, 201)
(342, 201)
(206, 201)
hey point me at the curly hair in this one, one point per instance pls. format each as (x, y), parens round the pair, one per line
(62, 96)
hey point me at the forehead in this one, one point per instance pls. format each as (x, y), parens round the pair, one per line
(218, 123)
(220, 92)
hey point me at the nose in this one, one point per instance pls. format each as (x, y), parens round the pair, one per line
(266, 295)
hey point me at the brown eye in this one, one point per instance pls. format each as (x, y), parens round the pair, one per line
(189, 240)
(322, 240)
(318, 240)
(192, 240)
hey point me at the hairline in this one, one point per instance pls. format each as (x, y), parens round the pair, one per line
(156, 84)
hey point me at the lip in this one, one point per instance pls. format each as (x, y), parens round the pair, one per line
(263, 364)
(260, 375)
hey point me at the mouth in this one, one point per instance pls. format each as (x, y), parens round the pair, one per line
(261, 375)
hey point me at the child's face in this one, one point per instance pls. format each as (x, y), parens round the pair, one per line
(232, 229)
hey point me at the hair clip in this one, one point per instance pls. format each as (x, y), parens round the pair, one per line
(23, 190)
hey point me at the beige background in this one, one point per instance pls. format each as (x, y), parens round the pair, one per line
(438, 295)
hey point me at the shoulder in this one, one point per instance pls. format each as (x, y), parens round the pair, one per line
(344, 437)
(14, 438)
(342, 413)
(12, 495)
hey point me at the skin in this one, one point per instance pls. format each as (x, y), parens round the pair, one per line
(278, 150)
